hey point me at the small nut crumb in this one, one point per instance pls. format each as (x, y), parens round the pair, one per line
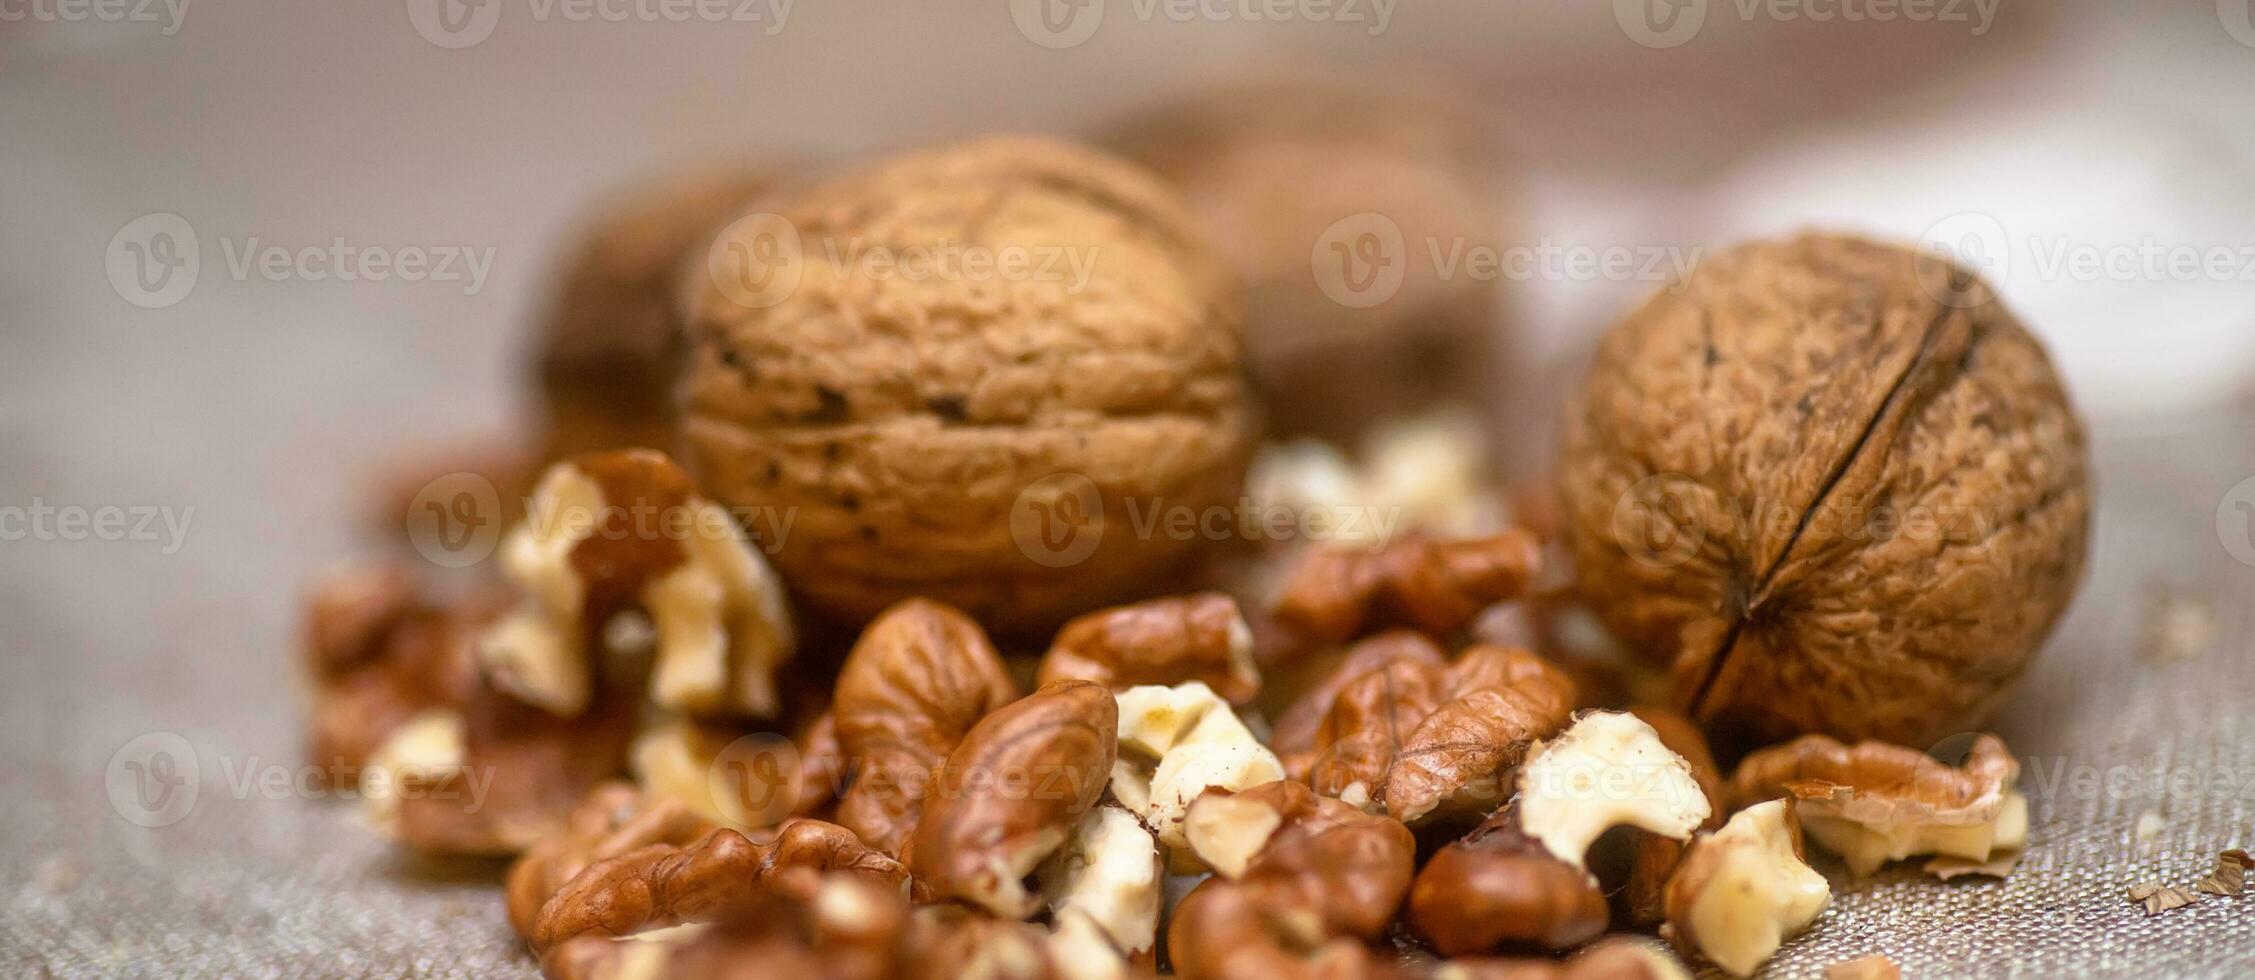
(2168, 897)
(2230, 876)
(2176, 627)
(1999, 865)
(1873, 967)
(2149, 826)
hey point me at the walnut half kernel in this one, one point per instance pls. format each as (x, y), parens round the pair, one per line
(1743, 889)
(1872, 803)
(1608, 769)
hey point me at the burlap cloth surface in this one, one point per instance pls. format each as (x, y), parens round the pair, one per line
(260, 880)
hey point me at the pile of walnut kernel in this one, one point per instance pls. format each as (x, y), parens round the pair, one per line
(1394, 756)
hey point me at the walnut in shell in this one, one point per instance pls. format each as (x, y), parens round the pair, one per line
(971, 361)
(1835, 483)
(1284, 173)
(607, 346)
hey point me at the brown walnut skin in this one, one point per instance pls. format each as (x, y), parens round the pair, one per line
(796, 922)
(607, 348)
(1498, 887)
(1434, 585)
(614, 819)
(1877, 782)
(1618, 958)
(1296, 728)
(1655, 857)
(380, 653)
(1165, 641)
(1011, 793)
(665, 884)
(1502, 701)
(1269, 166)
(902, 419)
(1744, 471)
(920, 676)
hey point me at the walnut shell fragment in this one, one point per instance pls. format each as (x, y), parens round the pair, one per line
(1872, 803)
(1051, 341)
(1834, 483)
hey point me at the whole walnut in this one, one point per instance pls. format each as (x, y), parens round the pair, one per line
(1835, 484)
(962, 372)
(1340, 205)
(604, 357)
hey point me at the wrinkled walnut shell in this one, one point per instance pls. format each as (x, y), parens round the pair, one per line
(920, 676)
(1835, 484)
(960, 435)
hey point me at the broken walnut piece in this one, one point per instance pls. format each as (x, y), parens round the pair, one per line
(1503, 700)
(1174, 744)
(796, 923)
(1654, 856)
(2230, 876)
(379, 654)
(1608, 769)
(614, 819)
(1199, 637)
(1107, 876)
(608, 533)
(1873, 802)
(920, 676)
(1616, 958)
(1305, 882)
(1435, 585)
(665, 884)
(1357, 742)
(1011, 794)
(1742, 890)
(1499, 887)
(1295, 730)
(1873, 967)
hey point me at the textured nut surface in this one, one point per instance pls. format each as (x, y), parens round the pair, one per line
(1271, 168)
(1295, 730)
(1656, 856)
(1174, 744)
(1434, 585)
(920, 676)
(1872, 803)
(379, 655)
(1833, 482)
(1166, 641)
(664, 884)
(615, 532)
(1108, 875)
(611, 332)
(1460, 756)
(1608, 769)
(901, 418)
(1321, 881)
(614, 819)
(1617, 958)
(1743, 889)
(1497, 886)
(1012, 793)
(796, 923)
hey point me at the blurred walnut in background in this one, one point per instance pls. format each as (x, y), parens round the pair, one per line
(1343, 209)
(962, 372)
(605, 353)
(1835, 484)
